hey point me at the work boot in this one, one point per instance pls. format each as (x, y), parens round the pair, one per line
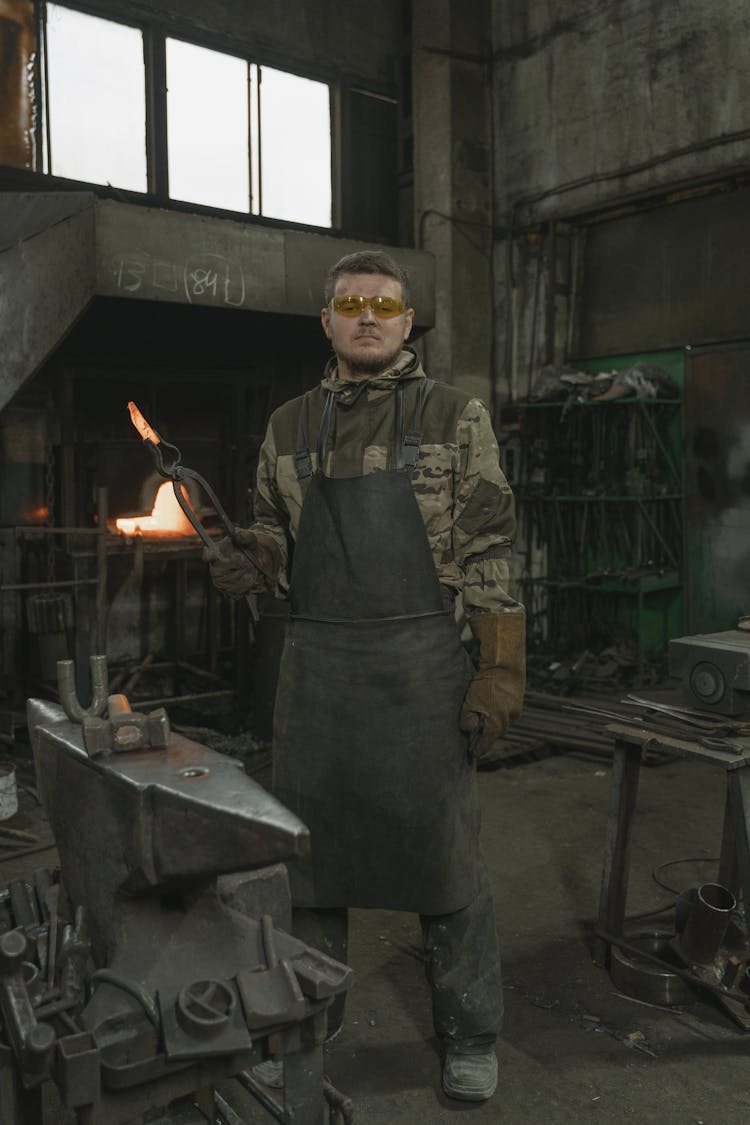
(470, 1078)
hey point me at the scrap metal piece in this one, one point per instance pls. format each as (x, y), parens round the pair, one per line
(77, 1069)
(341, 1106)
(271, 996)
(32, 1042)
(320, 976)
(707, 923)
(67, 688)
(647, 980)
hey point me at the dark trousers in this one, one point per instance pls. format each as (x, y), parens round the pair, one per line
(462, 964)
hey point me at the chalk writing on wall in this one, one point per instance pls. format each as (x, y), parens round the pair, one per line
(205, 278)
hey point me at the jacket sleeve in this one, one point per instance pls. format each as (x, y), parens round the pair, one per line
(484, 525)
(271, 515)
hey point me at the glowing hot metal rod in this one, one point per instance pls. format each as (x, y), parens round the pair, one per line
(167, 459)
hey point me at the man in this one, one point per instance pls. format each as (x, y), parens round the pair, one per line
(379, 499)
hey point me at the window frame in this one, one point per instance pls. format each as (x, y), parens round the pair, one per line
(155, 33)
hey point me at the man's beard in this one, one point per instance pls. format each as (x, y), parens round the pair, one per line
(364, 366)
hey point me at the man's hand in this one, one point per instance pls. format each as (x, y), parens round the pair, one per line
(495, 695)
(247, 565)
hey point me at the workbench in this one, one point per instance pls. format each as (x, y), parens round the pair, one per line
(630, 745)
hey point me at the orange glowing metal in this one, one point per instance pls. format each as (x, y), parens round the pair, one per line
(167, 518)
(142, 425)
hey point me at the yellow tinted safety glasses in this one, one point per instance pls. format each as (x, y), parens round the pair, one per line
(355, 306)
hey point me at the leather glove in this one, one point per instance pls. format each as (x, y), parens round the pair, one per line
(495, 695)
(248, 564)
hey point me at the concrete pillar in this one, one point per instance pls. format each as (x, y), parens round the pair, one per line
(453, 184)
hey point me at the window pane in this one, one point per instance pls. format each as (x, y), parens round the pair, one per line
(207, 127)
(295, 138)
(97, 100)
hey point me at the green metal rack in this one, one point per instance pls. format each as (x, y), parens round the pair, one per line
(600, 498)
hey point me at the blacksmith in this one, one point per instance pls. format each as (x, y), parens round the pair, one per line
(380, 498)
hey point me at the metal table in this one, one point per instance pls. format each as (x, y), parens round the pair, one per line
(630, 744)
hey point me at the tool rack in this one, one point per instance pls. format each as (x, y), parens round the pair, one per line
(600, 501)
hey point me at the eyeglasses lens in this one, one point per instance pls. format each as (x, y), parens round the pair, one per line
(381, 306)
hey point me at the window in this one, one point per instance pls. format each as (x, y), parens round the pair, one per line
(96, 99)
(247, 137)
(239, 136)
(295, 148)
(207, 127)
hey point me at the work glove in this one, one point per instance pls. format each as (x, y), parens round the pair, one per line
(247, 564)
(495, 695)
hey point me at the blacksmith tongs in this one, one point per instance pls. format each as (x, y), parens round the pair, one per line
(168, 461)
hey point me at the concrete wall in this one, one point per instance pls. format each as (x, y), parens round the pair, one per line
(356, 39)
(603, 97)
(603, 104)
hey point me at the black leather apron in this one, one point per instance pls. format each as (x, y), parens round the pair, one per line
(367, 746)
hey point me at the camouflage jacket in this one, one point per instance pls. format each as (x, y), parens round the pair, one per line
(463, 496)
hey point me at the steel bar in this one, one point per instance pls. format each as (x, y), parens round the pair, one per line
(195, 697)
(616, 867)
(259, 1092)
(667, 549)
(50, 585)
(34, 531)
(228, 1114)
(17, 834)
(666, 455)
(341, 1105)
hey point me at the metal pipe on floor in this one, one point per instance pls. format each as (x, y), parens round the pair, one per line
(707, 924)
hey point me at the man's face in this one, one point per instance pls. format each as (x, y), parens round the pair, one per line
(366, 344)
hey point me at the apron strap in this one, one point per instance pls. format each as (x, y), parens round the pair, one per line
(407, 444)
(325, 425)
(302, 460)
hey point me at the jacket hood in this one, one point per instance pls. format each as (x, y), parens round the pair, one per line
(407, 366)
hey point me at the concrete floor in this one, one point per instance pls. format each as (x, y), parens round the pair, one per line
(573, 1049)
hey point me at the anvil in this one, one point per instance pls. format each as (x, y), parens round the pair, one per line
(162, 822)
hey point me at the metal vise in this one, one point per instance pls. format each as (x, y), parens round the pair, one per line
(162, 986)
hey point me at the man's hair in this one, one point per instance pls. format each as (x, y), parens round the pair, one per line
(367, 261)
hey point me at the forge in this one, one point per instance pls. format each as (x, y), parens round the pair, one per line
(208, 323)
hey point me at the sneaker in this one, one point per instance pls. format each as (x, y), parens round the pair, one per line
(471, 1078)
(270, 1073)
